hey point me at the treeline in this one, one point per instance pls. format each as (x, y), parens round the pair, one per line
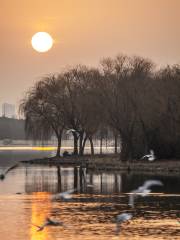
(12, 129)
(126, 94)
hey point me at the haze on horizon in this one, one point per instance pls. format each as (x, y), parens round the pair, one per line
(84, 31)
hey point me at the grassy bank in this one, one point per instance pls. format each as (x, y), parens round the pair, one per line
(112, 163)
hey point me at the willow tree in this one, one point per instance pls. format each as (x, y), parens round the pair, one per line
(120, 90)
(44, 107)
(72, 104)
(89, 106)
(166, 142)
(82, 106)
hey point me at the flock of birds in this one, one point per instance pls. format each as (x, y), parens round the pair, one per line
(141, 191)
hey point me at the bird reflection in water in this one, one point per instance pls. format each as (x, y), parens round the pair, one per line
(41, 207)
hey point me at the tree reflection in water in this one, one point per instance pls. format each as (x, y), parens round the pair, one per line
(91, 213)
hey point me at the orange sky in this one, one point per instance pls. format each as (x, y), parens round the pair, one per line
(84, 31)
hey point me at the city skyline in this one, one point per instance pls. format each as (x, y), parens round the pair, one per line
(83, 32)
(8, 110)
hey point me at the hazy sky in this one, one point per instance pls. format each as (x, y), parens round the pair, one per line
(84, 31)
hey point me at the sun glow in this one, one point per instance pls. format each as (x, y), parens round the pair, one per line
(41, 204)
(42, 41)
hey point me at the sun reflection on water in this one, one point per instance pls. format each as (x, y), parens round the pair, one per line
(89, 215)
(39, 213)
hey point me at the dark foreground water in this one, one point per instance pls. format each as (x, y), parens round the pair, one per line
(25, 201)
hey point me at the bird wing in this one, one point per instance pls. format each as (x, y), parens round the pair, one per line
(70, 191)
(145, 192)
(67, 192)
(40, 228)
(53, 222)
(124, 217)
(11, 168)
(70, 131)
(36, 225)
(46, 223)
(65, 195)
(134, 194)
(149, 183)
(148, 155)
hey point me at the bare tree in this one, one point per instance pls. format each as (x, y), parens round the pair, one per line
(82, 112)
(123, 77)
(43, 108)
(126, 95)
(166, 141)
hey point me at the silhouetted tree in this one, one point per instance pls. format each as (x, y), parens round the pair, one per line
(126, 95)
(83, 109)
(123, 76)
(43, 108)
(166, 140)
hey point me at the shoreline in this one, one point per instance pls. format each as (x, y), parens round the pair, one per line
(111, 163)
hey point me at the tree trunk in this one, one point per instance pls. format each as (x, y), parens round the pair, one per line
(75, 178)
(83, 146)
(75, 152)
(58, 153)
(59, 178)
(106, 142)
(140, 141)
(81, 179)
(101, 143)
(81, 143)
(92, 146)
(126, 150)
(115, 143)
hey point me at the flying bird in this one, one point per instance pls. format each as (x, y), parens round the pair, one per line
(120, 219)
(3, 175)
(48, 222)
(64, 195)
(71, 131)
(143, 190)
(150, 157)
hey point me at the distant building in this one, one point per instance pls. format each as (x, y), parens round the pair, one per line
(8, 110)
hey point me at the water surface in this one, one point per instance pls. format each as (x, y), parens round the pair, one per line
(25, 201)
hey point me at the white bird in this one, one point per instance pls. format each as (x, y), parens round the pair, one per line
(120, 219)
(143, 190)
(3, 175)
(64, 195)
(149, 183)
(71, 131)
(48, 222)
(150, 157)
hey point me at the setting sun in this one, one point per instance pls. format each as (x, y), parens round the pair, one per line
(42, 41)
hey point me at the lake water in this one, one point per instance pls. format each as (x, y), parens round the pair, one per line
(25, 201)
